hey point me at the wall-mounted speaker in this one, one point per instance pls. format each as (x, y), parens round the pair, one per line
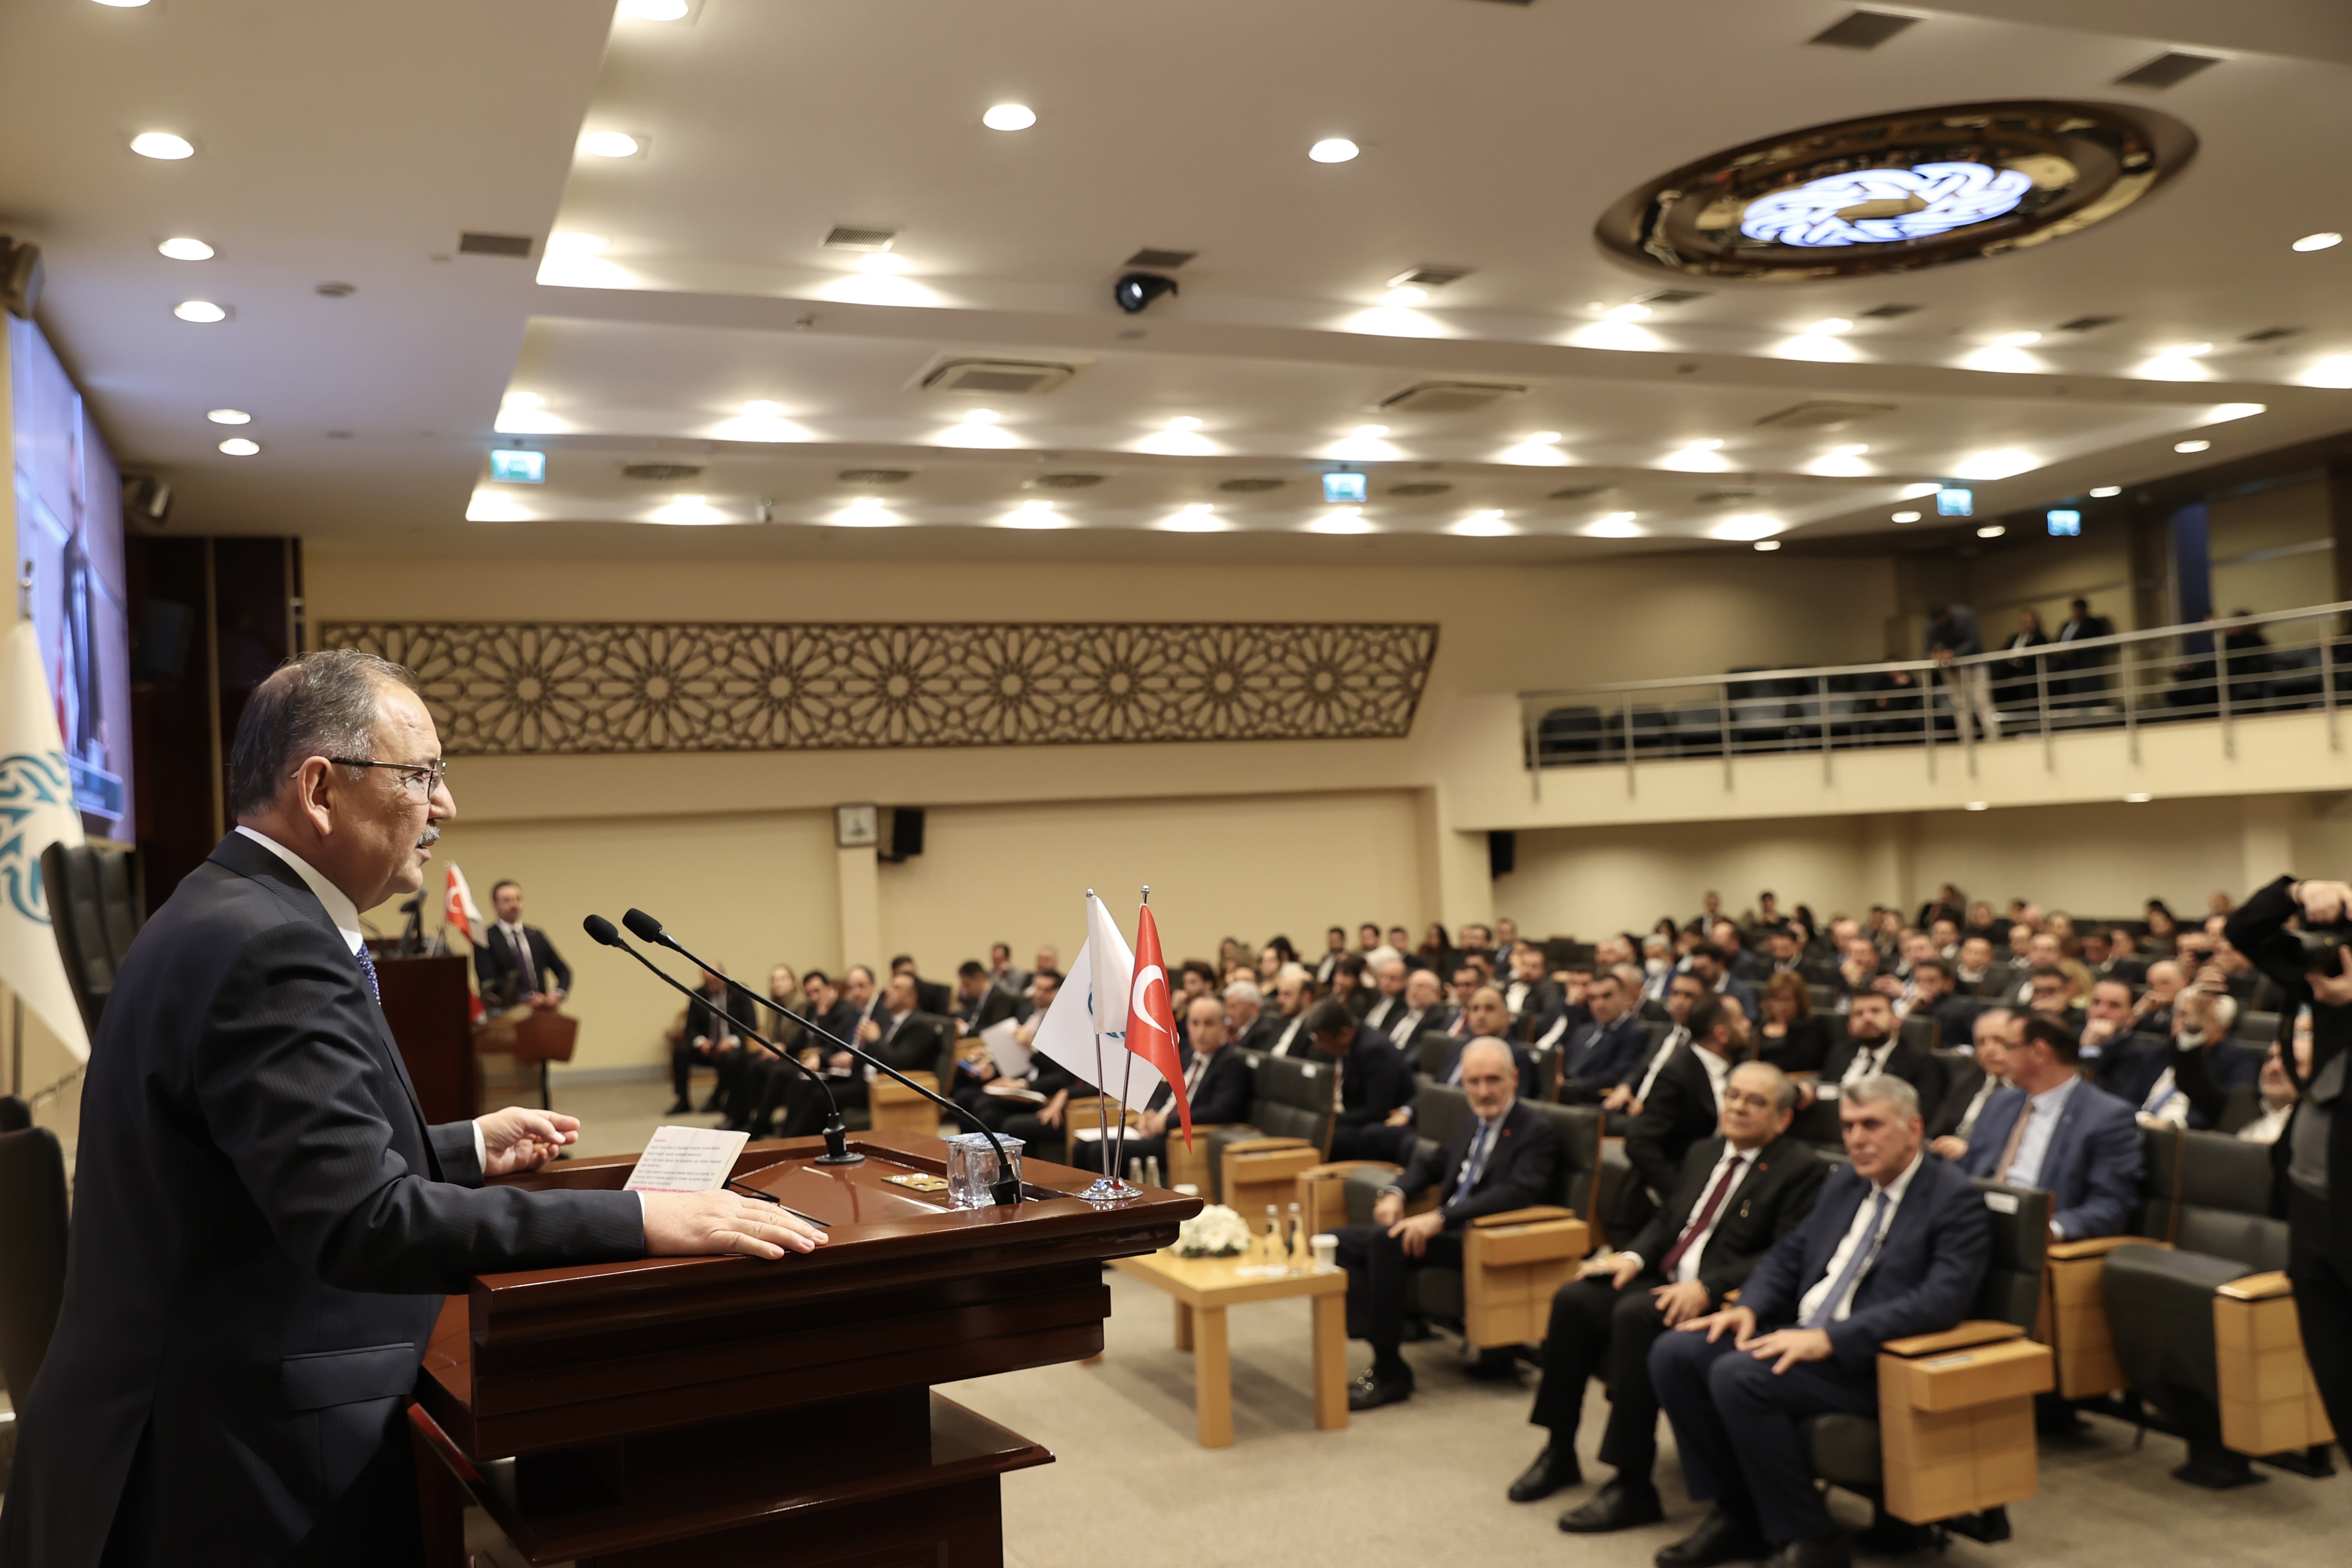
(905, 838)
(1502, 852)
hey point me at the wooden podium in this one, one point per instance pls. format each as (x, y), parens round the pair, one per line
(721, 1411)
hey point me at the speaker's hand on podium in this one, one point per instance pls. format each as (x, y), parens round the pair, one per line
(520, 1139)
(697, 1224)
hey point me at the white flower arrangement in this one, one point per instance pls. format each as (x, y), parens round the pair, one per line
(1215, 1231)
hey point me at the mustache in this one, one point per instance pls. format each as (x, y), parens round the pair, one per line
(431, 835)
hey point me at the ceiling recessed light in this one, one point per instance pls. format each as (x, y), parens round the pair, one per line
(2224, 412)
(1633, 312)
(2185, 351)
(1992, 530)
(1488, 524)
(882, 261)
(123, 4)
(2017, 340)
(1616, 525)
(1333, 150)
(610, 144)
(2102, 492)
(1369, 432)
(1768, 544)
(240, 446)
(523, 400)
(229, 416)
(2336, 370)
(1979, 805)
(1545, 438)
(654, 10)
(981, 416)
(1830, 326)
(2187, 446)
(1034, 514)
(1906, 516)
(2000, 463)
(2325, 240)
(162, 145)
(1198, 518)
(1851, 450)
(688, 511)
(199, 311)
(763, 408)
(1183, 421)
(1405, 294)
(1340, 519)
(573, 243)
(1703, 445)
(1009, 117)
(2137, 798)
(183, 249)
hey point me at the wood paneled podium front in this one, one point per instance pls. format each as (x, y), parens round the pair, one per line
(721, 1411)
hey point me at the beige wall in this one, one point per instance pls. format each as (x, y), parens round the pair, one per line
(2281, 527)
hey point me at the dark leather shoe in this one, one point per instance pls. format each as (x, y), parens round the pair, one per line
(1820, 1551)
(1721, 1537)
(1554, 1468)
(681, 1106)
(1372, 1391)
(1616, 1506)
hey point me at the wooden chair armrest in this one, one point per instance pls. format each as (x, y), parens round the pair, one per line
(1529, 1215)
(1977, 1332)
(1338, 1169)
(2098, 1246)
(1261, 1145)
(2257, 1287)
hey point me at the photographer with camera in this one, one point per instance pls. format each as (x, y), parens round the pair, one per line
(2300, 935)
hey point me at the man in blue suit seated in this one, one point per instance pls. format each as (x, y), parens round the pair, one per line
(1897, 1244)
(2054, 1129)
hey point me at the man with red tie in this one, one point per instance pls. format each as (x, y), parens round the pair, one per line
(1739, 1193)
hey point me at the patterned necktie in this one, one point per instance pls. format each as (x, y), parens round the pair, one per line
(1866, 1244)
(1473, 1162)
(2016, 1141)
(1699, 1222)
(367, 967)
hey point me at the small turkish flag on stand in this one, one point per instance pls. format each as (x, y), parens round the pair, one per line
(1150, 1021)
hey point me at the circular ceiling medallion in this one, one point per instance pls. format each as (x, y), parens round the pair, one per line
(1893, 193)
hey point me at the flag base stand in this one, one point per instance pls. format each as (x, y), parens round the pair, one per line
(1108, 1190)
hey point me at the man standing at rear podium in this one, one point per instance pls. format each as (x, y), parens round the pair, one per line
(265, 1227)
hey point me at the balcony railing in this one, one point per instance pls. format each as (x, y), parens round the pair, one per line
(2219, 669)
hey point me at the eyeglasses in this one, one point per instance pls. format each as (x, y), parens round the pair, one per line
(421, 779)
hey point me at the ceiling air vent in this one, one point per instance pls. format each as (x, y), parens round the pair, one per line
(659, 471)
(1725, 498)
(875, 476)
(1580, 492)
(2170, 68)
(1251, 487)
(844, 239)
(1160, 260)
(2088, 324)
(2271, 334)
(1428, 277)
(1670, 297)
(1824, 414)
(473, 244)
(1066, 481)
(1889, 312)
(1448, 396)
(998, 377)
(1862, 30)
(1420, 488)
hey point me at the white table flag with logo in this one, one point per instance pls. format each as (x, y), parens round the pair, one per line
(36, 810)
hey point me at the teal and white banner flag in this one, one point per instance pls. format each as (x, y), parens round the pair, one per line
(36, 810)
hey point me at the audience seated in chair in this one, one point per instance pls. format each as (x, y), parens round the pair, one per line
(1967, 1091)
(1487, 1017)
(1788, 1035)
(1217, 1086)
(1683, 1108)
(2053, 1130)
(1897, 1243)
(1425, 1012)
(1376, 1085)
(1294, 992)
(1738, 1193)
(1500, 1159)
(1388, 1003)
(1245, 1019)
(1597, 1052)
(707, 1039)
(1872, 1047)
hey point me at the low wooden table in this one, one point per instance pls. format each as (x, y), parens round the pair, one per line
(1204, 1288)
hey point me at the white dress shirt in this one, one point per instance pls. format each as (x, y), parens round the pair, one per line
(1674, 1037)
(1290, 1032)
(1868, 1060)
(1854, 1237)
(2044, 1110)
(1686, 1266)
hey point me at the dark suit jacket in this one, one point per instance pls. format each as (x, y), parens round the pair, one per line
(701, 1022)
(1435, 1021)
(1594, 1059)
(1519, 1172)
(936, 997)
(1374, 1081)
(496, 974)
(1222, 1095)
(1680, 1111)
(1774, 1195)
(1913, 1063)
(264, 1232)
(2091, 1168)
(916, 1045)
(1261, 1035)
(1924, 1280)
(1961, 1081)
(994, 1007)
(1801, 1049)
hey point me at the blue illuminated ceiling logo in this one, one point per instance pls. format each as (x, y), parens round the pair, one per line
(1884, 206)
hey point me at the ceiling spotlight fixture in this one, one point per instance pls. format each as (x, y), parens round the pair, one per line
(1979, 805)
(1544, 439)
(1198, 518)
(1183, 421)
(883, 261)
(1616, 525)
(2016, 339)
(1487, 525)
(1405, 294)
(982, 416)
(183, 249)
(1134, 292)
(1906, 516)
(1829, 327)
(1633, 312)
(573, 243)
(1333, 150)
(1340, 519)
(1851, 450)
(2324, 240)
(123, 4)
(240, 447)
(1367, 432)
(1009, 117)
(2102, 492)
(2184, 447)
(864, 512)
(654, 10)
(229, 416)
(2138, 797)
(761, 408)
(2185, 351)
(610, 144)
(199, 311)
(2336, 370)
(1992, 530)
(162, 145)
(1768, 544)
(2224, 412)
(1034, 514)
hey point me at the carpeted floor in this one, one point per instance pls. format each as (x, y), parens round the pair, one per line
(1422, 1483)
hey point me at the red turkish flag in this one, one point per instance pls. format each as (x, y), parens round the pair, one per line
(1151, 1020)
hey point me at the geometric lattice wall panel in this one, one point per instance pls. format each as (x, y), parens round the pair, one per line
(550, 687)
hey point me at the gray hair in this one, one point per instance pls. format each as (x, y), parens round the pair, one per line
(1783, 1087)
(1884, 1086)
(322, 704)
(1242, 991)
(1491, 1042)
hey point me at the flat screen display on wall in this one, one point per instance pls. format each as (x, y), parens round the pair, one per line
(69, 526)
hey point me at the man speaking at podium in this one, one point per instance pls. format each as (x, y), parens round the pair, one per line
(264, 1226)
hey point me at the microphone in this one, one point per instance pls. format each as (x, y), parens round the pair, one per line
(836, 1136)
(1005, 1189)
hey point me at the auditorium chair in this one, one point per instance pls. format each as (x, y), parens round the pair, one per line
(2204, 1330)
(2074, 1310)
(32, 1248)
(1511, 1262)
(1953, 1443)
(1292, 1106)
(895, 1108)
(95, 916)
